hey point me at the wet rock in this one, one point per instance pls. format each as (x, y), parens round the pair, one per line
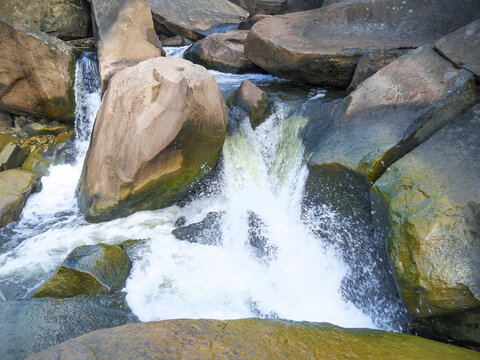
(268, 7)
(323, 46)
(15, 187)
(11, 157)
(182, 220)
(88, 269)
(36, 129)
(176, 41)
(36, 163)
(222, 52)
(433, 198)
(6, 139)
(254, 101)
(393, 111)
(258, 237)
(195, 19)
(65, 19)
(207, 232)
(371, 62)
(462, 47)
(160, 129)
(249, 339)
(32, 325)
(251, 20)
(47, 91)
(125, 35)
(87, 44)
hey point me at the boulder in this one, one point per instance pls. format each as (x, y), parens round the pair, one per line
(251, 20)
(433, 198)
(462, 47)
(249, 339)
(88, 269)
(6, 139)
(254, 101)
(176, 41)
(302, 5)
(222, 52)
(12, 156)
(65, 19)
(125, 35)
(32, 325)
(371, 62)
(160, 128)
(37, 77)
(15, 187)
(323, 46)
(208, 231)
(267, 7)
(36, 163)
(195, 19)
(393, 111)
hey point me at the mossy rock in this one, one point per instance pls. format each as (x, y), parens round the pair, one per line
(249, 339)
(15, 187)
(12, 156)
(6, 139)
(36, 163)
(88, 269)
(36, 129)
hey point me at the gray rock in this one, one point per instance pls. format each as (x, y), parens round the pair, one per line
(12, 156)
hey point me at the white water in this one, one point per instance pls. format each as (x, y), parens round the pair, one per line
(262, 171)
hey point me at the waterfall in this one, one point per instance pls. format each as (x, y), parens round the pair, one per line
(267, 263)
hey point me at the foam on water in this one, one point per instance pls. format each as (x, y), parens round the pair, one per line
(298, 277)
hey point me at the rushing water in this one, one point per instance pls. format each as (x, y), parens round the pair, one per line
(293, 274)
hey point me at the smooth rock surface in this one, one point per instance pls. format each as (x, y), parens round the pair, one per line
(160, 128)
(254, 101)
(88, 269)
(195, 19)
(433, 199)
(65, 19)
(323, 46)
(222, 52)
(125, 35)
(462, 47)
(249, 339)
(393, 111)
(267, 7)
(15, 187)
(37, 77)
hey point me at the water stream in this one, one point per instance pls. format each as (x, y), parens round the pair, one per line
(293, 274)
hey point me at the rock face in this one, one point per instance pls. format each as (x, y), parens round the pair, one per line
(65, 19)
(371, 62)
(323, 46)
(87, 270)
(161, 126)
(434, 203)
(37, 77)
(125, 35)
(249, 339)
(15, 187)
(254, 101)
(12, 156)
(267, 7)
(462, 47)
(222, 52)
(393, 111)
(208, 231)
(195, 19)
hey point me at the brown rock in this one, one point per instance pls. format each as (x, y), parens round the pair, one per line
(36, 77)
(254, 101)
(195, 19)
(176, 41)
(323, 46)
(125, 35)
(371, 62)
(393, 111)
(462, 47)
(251, 20)
(12, 157)
(222, 52)
(15, 187)
(267, 7)
(65, 19)
(161, 125)
(249, 339)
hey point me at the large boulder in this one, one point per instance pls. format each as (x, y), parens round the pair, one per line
(222, 52)
(323, 46)
(462, 47)
(267, 7)
(15, 187)
(433, 197)
(249, 339)
(160, 128)
(125, 35)
(88, 269)
(393, 111)
(195, 19)
(254, 101)
(37, 73)
(65, 19)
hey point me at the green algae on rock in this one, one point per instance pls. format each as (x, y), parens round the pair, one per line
(249, 339)
(88, 269)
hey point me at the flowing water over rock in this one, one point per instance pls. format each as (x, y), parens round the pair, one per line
(268, 262)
